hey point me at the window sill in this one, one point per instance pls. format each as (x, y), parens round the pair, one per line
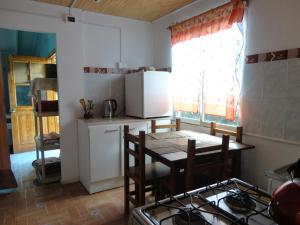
(205, 124)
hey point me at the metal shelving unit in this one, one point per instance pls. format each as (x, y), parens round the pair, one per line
(43, 145)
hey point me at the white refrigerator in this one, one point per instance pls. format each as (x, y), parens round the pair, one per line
(148, 94)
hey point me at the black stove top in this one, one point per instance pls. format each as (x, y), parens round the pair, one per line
(228, 202)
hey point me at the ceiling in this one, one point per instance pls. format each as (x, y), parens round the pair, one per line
(147, 10)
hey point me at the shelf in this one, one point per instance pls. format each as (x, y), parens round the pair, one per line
(43, 109)
(46, 146)
(49, 176)
(23, 84)
(45, 114)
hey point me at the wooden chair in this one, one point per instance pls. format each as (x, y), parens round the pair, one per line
(199, 166)
(155, 127)
(238, 134)
(235, 163)
(146, 177)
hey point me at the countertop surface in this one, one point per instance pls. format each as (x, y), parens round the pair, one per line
(114, 120)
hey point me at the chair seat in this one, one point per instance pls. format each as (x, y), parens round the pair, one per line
(153, 171)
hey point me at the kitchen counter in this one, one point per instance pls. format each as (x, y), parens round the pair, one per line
(115, 120)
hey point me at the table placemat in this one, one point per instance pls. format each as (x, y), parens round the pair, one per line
(166, 150)
(168, 135)
(154, 144)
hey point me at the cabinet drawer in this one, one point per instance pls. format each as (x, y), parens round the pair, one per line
(105, 154)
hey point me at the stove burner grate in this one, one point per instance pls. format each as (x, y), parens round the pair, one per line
(187, 212)
(189, 215)
(239, 201)
(226, 186)
(192, 213)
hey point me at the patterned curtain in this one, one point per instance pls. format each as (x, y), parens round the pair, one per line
(221, 66)
(212, 21)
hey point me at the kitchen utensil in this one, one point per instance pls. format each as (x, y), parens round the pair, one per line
(285, 204)
(110, 108)
(87, 108)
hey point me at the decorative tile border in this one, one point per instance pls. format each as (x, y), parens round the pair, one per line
(105, 70)
(101, 70)
(273, 56)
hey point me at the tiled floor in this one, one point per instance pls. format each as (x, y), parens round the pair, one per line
(56, 204)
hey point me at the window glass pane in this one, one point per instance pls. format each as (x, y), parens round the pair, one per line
(22, 95)
(220, 120)
(21, 72)
(188, 115)
(206, 73)
(37, 70)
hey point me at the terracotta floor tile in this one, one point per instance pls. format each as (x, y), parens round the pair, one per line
(21, 220)
(57, 204)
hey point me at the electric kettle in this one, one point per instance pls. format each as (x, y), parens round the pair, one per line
(285, 204)
(110, 108)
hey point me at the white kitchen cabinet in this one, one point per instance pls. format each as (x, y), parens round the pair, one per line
(101, 152)
(105, 155)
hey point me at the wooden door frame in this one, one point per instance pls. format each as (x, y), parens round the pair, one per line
(4, 149)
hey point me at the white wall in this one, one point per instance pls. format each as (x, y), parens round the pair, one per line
(106, 41)
(117, 39)
(74, 50)
(272, 25)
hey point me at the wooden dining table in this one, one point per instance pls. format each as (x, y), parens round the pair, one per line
(170, 148)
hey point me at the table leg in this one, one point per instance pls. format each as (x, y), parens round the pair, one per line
(173, 174)
(236, 164)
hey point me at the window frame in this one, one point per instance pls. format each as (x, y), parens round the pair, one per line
(206, 124)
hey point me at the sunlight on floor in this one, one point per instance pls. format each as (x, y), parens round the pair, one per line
(21, 164)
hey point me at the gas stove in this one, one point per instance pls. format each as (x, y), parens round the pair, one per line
(229, 202)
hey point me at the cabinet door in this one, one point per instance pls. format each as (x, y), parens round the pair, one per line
(105, 147)
(134, 128)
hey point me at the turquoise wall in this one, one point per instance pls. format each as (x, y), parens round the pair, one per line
(45, 44)
(35, 44)
(13, 42)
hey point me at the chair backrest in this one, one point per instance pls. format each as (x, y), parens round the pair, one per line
(155, 127)
(138, 150)
(216, 160)
(238, 134)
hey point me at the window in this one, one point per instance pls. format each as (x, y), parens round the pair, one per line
(206, 76)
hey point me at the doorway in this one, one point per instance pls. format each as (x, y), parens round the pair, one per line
(26, 56)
